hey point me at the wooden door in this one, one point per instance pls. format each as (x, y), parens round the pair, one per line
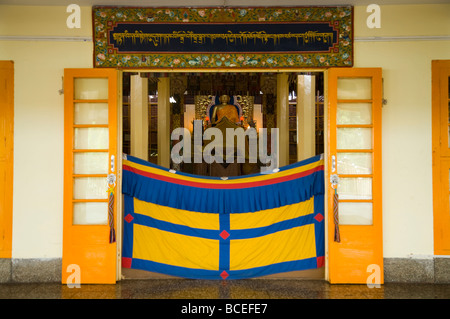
(6, 156)
(90, 159)
(441, 155)
(355, 246)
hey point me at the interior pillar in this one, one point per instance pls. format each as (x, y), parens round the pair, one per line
(306, 117)
(139, 117)
(283, 118)
(164, 122)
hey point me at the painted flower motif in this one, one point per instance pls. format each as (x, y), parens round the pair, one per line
(101, 56)
(176, 61)
(201, 13)
(240, 58)
(242, 12)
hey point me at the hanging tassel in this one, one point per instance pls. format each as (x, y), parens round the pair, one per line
(112, 232)
(337, 236)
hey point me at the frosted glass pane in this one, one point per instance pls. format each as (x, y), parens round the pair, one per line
(355, 214)
(355, 188)
(91, 113)
(354, 163)
(90, 188)
(354, 138)
(90, 213)
(91, 88)
(354, 113)
(354, 88)
(91, 138)
(90, 163)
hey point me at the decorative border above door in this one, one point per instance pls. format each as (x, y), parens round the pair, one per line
(196, 38)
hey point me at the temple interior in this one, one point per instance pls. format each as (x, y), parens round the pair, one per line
(250, 102)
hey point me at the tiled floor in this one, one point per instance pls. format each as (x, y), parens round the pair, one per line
(238, 289)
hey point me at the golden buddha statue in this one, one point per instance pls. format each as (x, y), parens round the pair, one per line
(225, 109)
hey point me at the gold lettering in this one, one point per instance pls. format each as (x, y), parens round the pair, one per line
(234, 38)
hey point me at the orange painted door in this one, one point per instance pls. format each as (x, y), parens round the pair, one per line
(90, 157)
(441, 155)
(355, 245)
(6, 156)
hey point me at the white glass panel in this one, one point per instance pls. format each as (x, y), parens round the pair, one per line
(90, 188)
(90, 213)
(355, 188)
(90, 163)
(354, 163)
(91, 138)
(355, 213)
(91, 113)
(91, 88)
(354, 138)
(354, 88)
(354, 113)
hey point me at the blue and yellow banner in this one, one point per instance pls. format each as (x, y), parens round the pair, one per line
(223, 228)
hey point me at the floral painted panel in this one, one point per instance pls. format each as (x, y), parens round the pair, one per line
(197, 38)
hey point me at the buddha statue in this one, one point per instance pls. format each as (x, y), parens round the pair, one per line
(224, 109)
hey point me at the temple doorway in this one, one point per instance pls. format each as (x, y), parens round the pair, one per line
(292, 103)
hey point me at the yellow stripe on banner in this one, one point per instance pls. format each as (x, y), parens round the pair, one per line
(268, 217)
(174, 249)
(261, 177)
(177, 216)
(287, 245)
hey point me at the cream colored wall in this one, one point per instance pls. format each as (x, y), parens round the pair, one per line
(38, 158)
(407, 156)
(38, 124)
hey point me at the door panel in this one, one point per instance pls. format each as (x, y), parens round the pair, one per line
(90, 104)
(6, 156)
(441, 155)
(355, 100)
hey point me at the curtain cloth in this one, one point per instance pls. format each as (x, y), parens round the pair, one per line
(223, 228)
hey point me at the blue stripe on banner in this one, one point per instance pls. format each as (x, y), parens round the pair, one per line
(273, 228)
(191, 273)
(224, 246)
(220, 201)
(286, 266)
(319, 227)
(127, 250)
(224, 225)
(175, 270)
(174, 228)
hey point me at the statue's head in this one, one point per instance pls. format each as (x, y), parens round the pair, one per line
(224, 99)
